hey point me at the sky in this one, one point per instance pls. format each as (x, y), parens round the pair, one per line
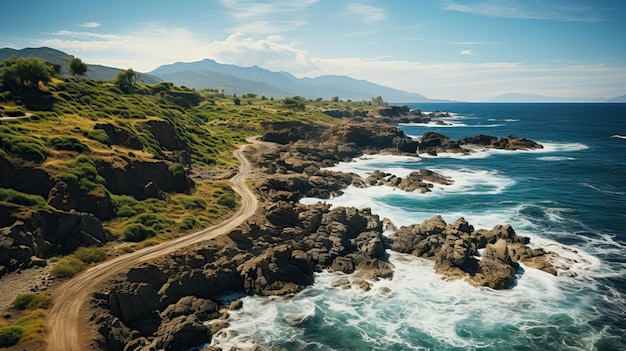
(465, 50)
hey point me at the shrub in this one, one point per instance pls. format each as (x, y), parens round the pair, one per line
(100, 136)
(26, 147)
(32, 301)
(192, 202)
(228, 200)
(67, 267)
(188, 223)
(90, 254)
(10, 335)
(137, 232)
(68, 143)
(16, 197)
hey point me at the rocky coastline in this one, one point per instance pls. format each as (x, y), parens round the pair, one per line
(174, 302)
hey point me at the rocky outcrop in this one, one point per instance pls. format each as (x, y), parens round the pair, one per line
(511, 142)
(70, 197)
(434, 143)
(133, 177)
(368, 134)
(421, 181)
(27, 236)
(30, 180)
(278, 253)
(290, 131)
(120, 136)
(165, 135)
(454, 248)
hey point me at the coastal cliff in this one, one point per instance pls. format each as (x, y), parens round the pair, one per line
(279, 250)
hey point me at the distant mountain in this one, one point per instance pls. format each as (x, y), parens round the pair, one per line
(520, 97)
(62, 58)
(621, 98)
(241, 80)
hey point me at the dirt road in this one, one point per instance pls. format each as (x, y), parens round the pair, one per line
(67, 326)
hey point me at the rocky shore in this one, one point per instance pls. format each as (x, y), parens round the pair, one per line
(164, 304)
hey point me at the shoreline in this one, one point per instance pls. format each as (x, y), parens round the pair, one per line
(290, 235)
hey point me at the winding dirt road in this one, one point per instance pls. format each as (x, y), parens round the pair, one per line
(67, 327)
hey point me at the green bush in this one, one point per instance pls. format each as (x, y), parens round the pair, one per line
(83, 173)
(228, 200)
(137, 232)
(193, 202)
(26, 147)
(68, 144)
(32, 301)
(90, 254)
(67, 267)
(10, 335)
(188, 223)
(100, 136)
(16, 197)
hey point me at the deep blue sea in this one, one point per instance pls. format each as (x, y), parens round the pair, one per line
(569, 198)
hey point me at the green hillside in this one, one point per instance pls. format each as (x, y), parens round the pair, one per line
(144, 163)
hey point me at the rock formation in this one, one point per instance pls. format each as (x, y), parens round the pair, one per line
(454, 248)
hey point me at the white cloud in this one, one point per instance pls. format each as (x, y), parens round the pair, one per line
(366, 13)
(89, 25)
(466, 52)
(147, 47)
(267, 18)
(555, 10)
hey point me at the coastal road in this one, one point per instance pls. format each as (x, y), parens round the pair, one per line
(67, 327)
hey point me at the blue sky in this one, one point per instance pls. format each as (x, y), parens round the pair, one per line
(470, 50)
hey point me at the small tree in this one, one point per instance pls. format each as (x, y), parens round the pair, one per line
(17, 73)
(126, 80)
(77, 67)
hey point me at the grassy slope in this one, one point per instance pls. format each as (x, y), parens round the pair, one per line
(212, 129)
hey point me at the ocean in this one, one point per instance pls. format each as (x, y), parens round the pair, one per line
(569, 198)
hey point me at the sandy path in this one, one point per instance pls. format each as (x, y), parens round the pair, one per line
(67, 327)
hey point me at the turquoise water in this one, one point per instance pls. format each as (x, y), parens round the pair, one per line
(569, 198)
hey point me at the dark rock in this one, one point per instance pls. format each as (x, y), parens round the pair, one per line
(120, 136)
(165, 134)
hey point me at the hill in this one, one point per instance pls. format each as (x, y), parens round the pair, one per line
(94, 71)
(241, 80)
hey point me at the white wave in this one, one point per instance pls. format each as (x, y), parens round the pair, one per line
(555, 158)
(450, 124)
(606, 192)
(561, 147)
(416, 306)
(511, 120)
(618, 136)
(400, 166)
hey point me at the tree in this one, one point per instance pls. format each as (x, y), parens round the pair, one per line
(17, 73)
(77, 67)
(295, 103)
(126, 79)
(378, 101)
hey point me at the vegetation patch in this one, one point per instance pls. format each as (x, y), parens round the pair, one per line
(32, 301)
(19, 198)
(68, 144)
(67, 267)
(26, 147)
(90, 255)
(10, 335)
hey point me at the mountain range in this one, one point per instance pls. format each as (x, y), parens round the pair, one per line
(262, 82)
(235, 79)
(241, 80)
